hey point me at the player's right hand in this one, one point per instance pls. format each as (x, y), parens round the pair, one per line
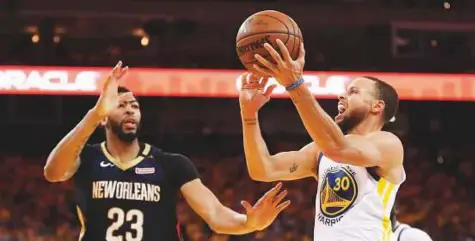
(253, 94)
(109, 98)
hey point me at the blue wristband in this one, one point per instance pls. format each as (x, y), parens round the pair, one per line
(294, 85)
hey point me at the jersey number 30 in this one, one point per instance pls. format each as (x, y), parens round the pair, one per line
(119, 216)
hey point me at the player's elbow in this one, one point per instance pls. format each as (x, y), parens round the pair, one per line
(216, 228)
(51, 174)
(261, 176)
(214, 224)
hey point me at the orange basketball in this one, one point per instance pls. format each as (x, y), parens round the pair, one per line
(266, 27)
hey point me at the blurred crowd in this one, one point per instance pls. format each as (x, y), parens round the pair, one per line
(437, 196)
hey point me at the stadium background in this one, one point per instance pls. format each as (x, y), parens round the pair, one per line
(193, 108)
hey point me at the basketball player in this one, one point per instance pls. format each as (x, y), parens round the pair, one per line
(404, 232)
(127, 190)
(357, 165)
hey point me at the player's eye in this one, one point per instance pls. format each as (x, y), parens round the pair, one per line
(121, 105)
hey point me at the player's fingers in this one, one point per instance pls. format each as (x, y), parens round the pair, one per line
(284, 51)
(274, 190)
(123, 72)
(280, 197)
(247, 206)
(275, 55)
(264, 81)
(282, 206)
(117, 68)
(266, 63)
(118, 65)
(243, 79)
(269, 90)
(262, 71)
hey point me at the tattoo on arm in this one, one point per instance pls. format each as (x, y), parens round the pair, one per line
(294, 168)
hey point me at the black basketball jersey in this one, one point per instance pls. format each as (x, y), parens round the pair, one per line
(136, 202)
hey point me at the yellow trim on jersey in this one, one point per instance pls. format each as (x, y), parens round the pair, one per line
(385, 190)
(125, 166)
(81, 222)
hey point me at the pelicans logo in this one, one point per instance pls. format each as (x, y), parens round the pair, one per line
(338, 192)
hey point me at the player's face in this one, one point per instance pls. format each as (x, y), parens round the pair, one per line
(124, 121)
(355, 104)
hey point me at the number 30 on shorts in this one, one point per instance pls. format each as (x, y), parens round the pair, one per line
(119, 216)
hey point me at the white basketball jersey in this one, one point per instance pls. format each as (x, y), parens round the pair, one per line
(397, 232)
(404, 232)
(351, 205)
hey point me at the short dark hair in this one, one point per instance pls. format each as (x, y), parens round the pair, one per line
(392, 217)
(123, 89)
(388, 94)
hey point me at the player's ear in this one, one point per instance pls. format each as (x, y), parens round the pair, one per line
(378, 106)
(104, 122)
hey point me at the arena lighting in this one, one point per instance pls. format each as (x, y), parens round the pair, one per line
(35, 38)
(56, 39)
(220, 83)
(144, 41)
(447, 5)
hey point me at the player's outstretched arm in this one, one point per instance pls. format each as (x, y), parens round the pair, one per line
(224, 220)
(220, 218)
(362, 151)
(63, 161)
(263, 166)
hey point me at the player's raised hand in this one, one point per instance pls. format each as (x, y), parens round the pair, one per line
(253, 94)
(109, 97)
(264, 212)
(286, 70)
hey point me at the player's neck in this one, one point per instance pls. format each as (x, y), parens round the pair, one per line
(122, 151)
(366, 127)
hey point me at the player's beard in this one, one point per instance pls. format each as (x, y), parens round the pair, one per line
(349, 122)
(118, 130)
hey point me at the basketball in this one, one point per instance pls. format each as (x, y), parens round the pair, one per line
(266, 27)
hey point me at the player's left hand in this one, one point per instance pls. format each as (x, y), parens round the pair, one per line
(286, 70)
(266, 209)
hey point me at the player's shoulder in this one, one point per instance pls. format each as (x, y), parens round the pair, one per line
(176, 163)
(414, 234)
(165, 156)
(384, 137)
(91, 151)
(388, 143)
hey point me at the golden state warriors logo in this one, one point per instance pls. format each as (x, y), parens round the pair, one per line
(338, 192)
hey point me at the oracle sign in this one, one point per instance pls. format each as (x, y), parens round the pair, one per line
(42, 80)
(50, 80)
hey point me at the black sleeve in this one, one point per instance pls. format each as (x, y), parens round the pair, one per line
(183, 170)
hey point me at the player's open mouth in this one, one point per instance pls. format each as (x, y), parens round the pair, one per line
(130, 123)
(341, 110)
